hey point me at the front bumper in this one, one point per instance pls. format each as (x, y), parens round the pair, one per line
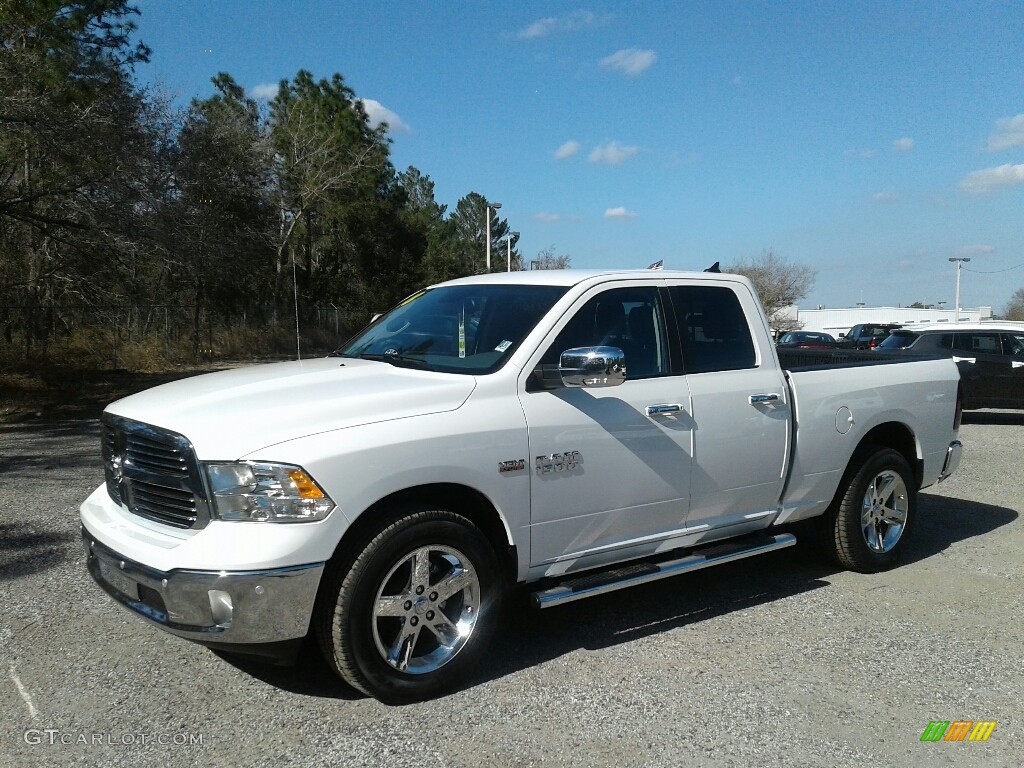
(954, 454)
(211, 607)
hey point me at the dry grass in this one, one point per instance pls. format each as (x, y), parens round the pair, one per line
(80, 373)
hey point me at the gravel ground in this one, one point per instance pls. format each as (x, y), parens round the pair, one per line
(778, 660)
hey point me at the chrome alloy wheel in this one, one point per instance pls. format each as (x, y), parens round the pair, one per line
(884, 509)
(425, 609)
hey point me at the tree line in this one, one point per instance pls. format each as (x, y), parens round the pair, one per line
(127, 220)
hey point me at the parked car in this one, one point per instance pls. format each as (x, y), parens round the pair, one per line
(806, 340)
(569, 431)
(990, 357)
(867, 335)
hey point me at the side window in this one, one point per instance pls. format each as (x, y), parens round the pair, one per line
(978, 342)
(1013, 345)
(714, 329)
(628, 318)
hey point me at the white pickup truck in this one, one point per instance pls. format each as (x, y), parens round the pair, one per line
(571, 432)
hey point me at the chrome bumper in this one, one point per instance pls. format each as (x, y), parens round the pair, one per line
(954, 453)
(223, 607)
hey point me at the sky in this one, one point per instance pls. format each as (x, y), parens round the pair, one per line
(870, 141)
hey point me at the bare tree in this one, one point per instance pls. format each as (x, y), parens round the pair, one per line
(1015, 309)
(548, 259)
(779, 284)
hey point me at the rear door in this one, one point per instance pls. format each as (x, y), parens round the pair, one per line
(984, 369)
(1012, 389)
(739, 407)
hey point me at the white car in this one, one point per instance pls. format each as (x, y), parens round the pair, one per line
(571, 432)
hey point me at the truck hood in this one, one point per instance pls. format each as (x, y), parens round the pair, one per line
(230, 414)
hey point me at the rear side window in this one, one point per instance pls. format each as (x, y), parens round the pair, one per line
(978, 342)
(714, 330)
(898, 340)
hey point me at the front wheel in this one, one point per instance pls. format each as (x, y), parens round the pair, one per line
(410, 615)
(867, 527)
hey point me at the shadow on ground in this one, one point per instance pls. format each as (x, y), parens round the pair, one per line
(530, 637)
(1005, 418)
(25, 551)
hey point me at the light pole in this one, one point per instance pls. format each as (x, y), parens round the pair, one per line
(495, 206)
(510, 236)
(959, 263)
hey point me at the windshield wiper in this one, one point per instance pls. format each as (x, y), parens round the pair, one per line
(400, 361)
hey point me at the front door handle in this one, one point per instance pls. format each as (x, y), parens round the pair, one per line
(766, 398)
(663, 410)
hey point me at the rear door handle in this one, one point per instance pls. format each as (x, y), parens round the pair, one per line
(663, 410)
(766, 398)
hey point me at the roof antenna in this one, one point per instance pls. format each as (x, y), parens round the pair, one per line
(713, 268)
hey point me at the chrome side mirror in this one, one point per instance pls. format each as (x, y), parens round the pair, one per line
(592, 367)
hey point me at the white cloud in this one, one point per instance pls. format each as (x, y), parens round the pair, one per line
(377, 113)
(990, 179)
(883, 197)
(1009, 132)
(545, 216)
(568, 149)
(619, 213)
(264, 90)
(903, 145)
(975, 250)
(612, 153)
(631, 61)
(569, 23)
(539, 28)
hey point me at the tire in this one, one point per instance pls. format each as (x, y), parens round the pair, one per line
(867, 527)
(408, 615)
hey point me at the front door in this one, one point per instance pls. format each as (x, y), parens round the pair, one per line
(611, 466)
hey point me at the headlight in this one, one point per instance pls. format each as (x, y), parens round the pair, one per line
(259, 492)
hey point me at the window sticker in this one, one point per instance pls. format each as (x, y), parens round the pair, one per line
(462, 334)
(503, 346)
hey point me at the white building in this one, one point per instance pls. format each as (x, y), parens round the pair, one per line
(836, 321)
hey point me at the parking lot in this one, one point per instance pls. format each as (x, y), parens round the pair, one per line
(778, 660)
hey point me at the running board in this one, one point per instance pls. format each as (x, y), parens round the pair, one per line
(640, 573)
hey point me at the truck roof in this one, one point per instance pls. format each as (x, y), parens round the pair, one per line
(569, 277)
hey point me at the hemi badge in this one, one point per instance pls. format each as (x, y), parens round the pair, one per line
(516, 465)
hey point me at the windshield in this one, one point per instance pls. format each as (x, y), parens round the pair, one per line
(457, 329)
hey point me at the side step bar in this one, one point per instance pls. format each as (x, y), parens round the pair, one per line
(640, 573)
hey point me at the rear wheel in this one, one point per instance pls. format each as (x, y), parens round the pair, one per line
(867, 527)
(411, 614)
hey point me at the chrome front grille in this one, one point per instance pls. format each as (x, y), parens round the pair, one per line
(153, 472)
(148, 453)
(168, 505)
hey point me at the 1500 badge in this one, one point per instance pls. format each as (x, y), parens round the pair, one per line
(558, 462)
